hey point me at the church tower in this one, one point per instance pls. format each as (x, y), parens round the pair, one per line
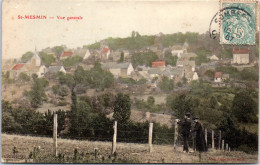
(35, 60)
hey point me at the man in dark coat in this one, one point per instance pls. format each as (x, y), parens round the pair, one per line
(186, 129)
(200, 143)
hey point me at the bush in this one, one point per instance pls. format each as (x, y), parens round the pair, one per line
(62, 103)
(166, 84)
(70, 61)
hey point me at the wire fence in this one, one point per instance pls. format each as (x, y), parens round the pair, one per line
(123, 133)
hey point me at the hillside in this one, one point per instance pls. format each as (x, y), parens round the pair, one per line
(137, 153)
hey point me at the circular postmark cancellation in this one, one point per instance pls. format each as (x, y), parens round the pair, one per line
(234, 24)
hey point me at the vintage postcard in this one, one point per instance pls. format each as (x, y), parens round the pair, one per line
(118, 81)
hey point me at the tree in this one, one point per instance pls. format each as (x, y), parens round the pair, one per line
(244, 107)
(58, 50)
(170, 60)
(66, 79)
(26, 57)
(34, 76)
(37, 94)
(122, 108)
(144, 58)
(166, 84)
(47, 59)
(70, 61)
(55, 89)
(63, 91)
(182, 104)
(150, 100)
(24, 77)
(122, 57)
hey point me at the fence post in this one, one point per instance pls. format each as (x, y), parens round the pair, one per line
(227, 146)
(175, 134)
(223, 145)
(206, 136)
(213, 142)
(219, 140)
(228, 149)
(150, 136)
(55, 126)
(114, 138)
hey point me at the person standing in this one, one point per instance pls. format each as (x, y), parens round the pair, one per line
(186, 129)
(200, 143)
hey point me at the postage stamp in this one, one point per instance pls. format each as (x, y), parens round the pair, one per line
(238, 22)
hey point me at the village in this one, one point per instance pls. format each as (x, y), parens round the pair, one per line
(157, 78)
(151, 79)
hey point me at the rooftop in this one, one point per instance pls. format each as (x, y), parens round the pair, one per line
(17, 66)
(240, 51)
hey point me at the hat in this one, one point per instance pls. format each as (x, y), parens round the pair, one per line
(187, 114)
(196, 117)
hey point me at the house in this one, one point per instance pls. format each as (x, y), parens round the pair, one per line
(16, 70)
(218, 77)
(213, 58)
(240, 56)
(66, 54)
(175, 73)
(56, 69)
(158, 64)
(190, 76)
(87, 54)
(32, 66)
(177, 50)
(39, 70)
(118, 69)
(105, 52)
(82, 52)
(181, 63)
(225, 77)
(28, 69)
(155, 72)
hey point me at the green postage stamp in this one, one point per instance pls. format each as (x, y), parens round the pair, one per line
(238, 22)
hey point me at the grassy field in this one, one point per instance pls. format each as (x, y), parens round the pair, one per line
(126, 152)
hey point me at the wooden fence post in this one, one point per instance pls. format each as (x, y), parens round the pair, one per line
(150, 136)
(206, 136)
(213, 142)
(219, 140)
(114, 138)
(227, 146)
(175, 134)
(223, 145)
(55, 126)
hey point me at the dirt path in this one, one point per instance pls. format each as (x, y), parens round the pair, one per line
(160, 153)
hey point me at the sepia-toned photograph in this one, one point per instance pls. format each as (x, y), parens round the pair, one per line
(130, 82)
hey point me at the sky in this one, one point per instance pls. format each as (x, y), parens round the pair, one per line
(101, 19)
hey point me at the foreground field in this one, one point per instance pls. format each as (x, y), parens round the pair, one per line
(137, 153)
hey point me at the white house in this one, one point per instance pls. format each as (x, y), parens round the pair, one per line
(240, 56)
(87, 54)
(218, 77)
(41, 71)
(195, 76)
(105, 52)
(177, 52)
(181, 63)
(56, 69)
(118, 69)
(213, 58)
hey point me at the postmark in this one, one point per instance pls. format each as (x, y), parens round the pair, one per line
(235, 23)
